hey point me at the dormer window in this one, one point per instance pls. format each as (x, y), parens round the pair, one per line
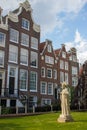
(25, 24)
(49, 48)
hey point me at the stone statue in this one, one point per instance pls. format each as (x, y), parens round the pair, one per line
(65, 107)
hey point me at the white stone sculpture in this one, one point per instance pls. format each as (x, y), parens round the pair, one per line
(65, 107)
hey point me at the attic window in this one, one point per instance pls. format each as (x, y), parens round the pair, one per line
(25, 24)
(49, 48)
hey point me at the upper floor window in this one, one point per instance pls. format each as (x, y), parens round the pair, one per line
(49, 73)
(13, 53)
(24, 56)
(34, 43)
(74, 58)
(61, 64)
(66, 65)
(49, 48)
(1, 58)
(25, 39)
(74, 70)
(64, 54)
(34, 59)
(33, 81)
(2, 39)
(25, 24)
(42, 72)
(43, 87)
(50, 88)
(61, 76)
(55, 74)
(23, 79)
(14, 35)
(49, 59)
(74, 81)
(66, 78)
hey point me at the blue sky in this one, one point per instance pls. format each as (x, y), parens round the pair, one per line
(61, 21)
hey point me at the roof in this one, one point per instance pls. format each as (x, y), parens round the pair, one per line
(41, 45)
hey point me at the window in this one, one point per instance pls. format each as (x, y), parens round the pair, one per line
(34, 43)
(24, 39)
(49, 59)
(2, 39)
(25, 24)
(24, 57)
(34, 59)
(23, 79)
(14, 35)
(43, 87)
(74, 70)
(50, 89)
(46, 102)
(13, 53)
(42, 72)
(74, 81)
(66, 65)
(49, 73)
(55, 74)
(61, 76)
(1, 58)
(49, 48)
(32, 101)
(64, 54)
(74, 58)
(66, 78)
(33, 81)
(61, 64)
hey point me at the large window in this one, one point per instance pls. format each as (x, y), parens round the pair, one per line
(34, 59)
(49, 59)
(50, 88)
(23, 79)
(43, 88)
(66, 65)
(1, 58)
(61, 64)
(25, 39)
(55, 74)
(25, 24)
(34, 43)
(13, 53)
(24, 57)
(66, 78)
(74, 70)
(42, 72)
(33, 81)
(49, 73)
(2, 39)
(14, 35)
(61, 76)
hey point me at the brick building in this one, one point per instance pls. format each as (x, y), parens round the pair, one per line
(30, 71)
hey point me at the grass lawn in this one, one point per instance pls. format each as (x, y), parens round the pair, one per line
(45, 122)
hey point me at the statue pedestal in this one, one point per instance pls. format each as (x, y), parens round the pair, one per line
(65, 118)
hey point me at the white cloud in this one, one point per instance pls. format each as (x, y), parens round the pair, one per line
(46, 12)
(80, 44)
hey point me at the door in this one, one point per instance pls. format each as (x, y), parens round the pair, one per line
(0, 86)
(11, 85)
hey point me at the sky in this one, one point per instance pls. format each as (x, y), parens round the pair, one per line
(61, 21)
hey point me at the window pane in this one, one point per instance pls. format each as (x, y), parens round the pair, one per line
(50, 89)
(49, 59)
(25, 24)
(14, 35)
(33, 81)
(2, 39)
(43, 88)
(34, 43)
(24, 57)
(1, 58)
(49, 73)
(34, 59)
(24, 39)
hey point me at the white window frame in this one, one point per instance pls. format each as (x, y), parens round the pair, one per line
(3, 38)
(23, 24)
(2, 57)
(50, 87)
(33, 81)
(43, 72)
(36, 59)
(34, 43)
(24, 39)
(22, 55)
(14, 35)
(50, 73)
(42, 82)
(26, 80)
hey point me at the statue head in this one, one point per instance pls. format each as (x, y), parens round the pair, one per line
(64, 84)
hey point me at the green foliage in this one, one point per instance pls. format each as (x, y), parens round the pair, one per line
(45, 122)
